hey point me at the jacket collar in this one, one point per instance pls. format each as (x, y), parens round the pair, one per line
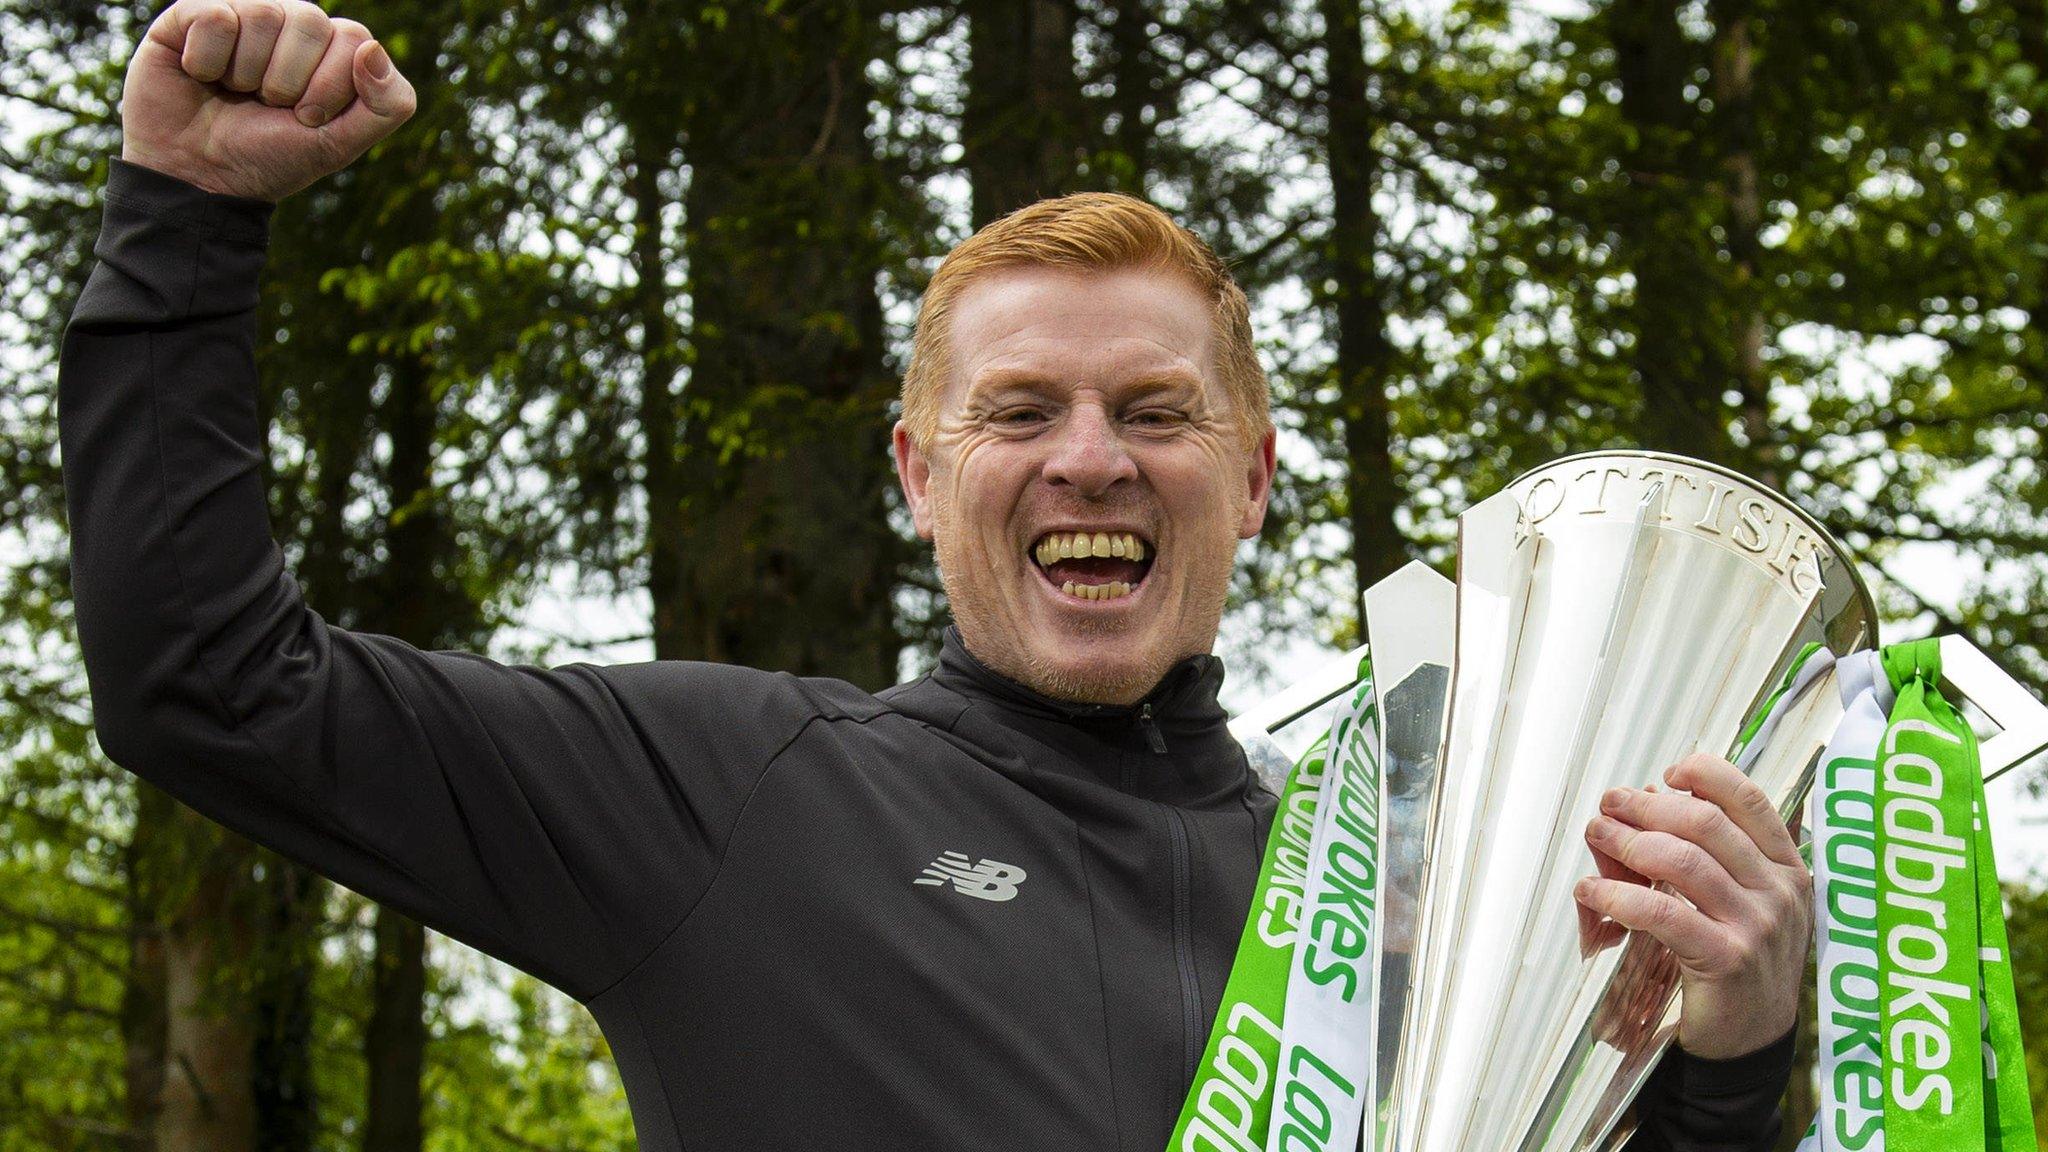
(1174, 745)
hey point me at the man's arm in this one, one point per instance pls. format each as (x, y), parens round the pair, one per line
(526, 811)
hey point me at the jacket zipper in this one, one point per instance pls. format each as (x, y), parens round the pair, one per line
(1154, 739)
(1184, 944)
(1183, 912)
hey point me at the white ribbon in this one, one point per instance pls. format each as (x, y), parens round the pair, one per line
(1326, 1067)
(1841, 823)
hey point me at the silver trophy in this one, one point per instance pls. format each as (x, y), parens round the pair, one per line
(1613, 613)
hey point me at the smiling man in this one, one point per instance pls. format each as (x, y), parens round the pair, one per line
(993, 908)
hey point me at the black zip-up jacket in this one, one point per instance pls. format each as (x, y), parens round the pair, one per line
(954, 915)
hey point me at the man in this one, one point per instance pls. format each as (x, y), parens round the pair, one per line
(993, 908)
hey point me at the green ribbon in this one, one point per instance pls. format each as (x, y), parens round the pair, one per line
(1954, 1074)
(1230, 1104)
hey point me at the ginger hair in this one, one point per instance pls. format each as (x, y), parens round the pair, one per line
(1089, 232)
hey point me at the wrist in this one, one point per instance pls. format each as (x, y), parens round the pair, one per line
(1769, 1064)
(197, 175)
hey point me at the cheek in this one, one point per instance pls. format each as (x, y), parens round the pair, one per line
(1202, 491)
(983, 489)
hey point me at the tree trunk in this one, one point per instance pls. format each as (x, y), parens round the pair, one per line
(1364, 354)
(395, 1041)
(661, 416)
(1140, 99)
(1024, 125)
(144, 1012)
(784, 555)
(208, 1092)
(290, 896)
(1735, 111)
(1680, 369)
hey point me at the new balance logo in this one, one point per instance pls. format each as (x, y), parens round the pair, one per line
(986, 880)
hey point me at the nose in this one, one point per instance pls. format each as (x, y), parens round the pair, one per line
(1088, 453)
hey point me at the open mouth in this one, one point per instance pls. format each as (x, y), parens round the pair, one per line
(1093, 565)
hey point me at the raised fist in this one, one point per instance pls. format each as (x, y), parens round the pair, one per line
(257, 97)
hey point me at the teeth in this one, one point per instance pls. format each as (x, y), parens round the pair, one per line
(1082, 545)
(1114, 590)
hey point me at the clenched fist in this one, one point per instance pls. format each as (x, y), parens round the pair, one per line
(257, 98)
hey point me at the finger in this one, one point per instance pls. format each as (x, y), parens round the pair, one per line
(1610, 867)
(333, 83)
(384, 100)
(261, 21)
(1716, 780)
(1697, 941)
(1597, 933)
(201, 33)
(1698, 821)
(300, 48)
(1680, 863)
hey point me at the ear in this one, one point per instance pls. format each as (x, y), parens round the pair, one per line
(914, 472)
(1260, 464)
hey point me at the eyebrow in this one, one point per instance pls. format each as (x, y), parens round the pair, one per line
(996, 379)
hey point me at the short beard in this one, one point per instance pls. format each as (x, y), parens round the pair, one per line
(1087, 685)
(1080, 686)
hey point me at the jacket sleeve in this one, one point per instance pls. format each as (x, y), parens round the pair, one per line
(1696, 1105)
(526, 811)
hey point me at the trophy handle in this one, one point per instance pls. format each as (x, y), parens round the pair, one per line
(1255, 727)
(2022, 720)
(1300, 698)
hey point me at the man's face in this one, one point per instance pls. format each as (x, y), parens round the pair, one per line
(1085, 406)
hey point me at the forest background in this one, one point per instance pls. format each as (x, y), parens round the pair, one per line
(595, 359)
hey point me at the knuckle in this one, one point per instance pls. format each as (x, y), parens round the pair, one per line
(1700, 762)
(1753, 941)
(1700, 819)
(1629, 848)
(1732, 949)
(1689, 863)
(266, 16)
(1656, 854)
(343, 26)
(309, 21)
(1752, 797)
(1802, 887)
